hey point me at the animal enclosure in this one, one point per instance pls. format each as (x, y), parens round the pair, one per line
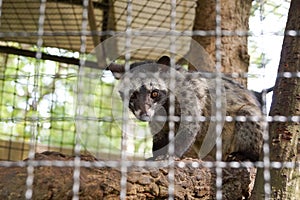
(58, 95)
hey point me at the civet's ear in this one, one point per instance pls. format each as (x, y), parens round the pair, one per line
(117, 70)
(164, 60)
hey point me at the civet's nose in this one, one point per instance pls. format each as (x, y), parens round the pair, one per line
(144, 117)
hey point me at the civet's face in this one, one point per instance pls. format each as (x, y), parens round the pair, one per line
(145, 101)
(147, 91)
(146, 85)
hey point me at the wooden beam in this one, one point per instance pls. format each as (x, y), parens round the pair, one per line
(80, 3)
(32, 54)
(99, 50)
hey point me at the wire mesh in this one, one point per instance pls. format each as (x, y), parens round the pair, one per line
(75, 109)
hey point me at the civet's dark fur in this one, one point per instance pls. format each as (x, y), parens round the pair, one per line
(194, 97)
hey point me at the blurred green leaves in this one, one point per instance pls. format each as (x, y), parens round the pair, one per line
(55, 86)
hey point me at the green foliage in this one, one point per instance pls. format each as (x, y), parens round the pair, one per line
(47, 96)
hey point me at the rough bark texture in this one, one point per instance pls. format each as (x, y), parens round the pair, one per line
(104, 183)
(284, 136)
(234, 17)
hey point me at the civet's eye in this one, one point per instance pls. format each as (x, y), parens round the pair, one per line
(154, 94)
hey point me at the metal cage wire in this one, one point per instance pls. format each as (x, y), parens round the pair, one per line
(40, 36)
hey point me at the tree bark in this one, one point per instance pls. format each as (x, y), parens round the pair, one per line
(284, 136)
(234, 17)
(51, 182)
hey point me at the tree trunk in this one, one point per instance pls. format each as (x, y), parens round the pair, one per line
(234, 17)
(56, 182)
(284, 136)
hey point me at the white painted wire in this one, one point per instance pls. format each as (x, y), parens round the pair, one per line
(0, 11)
(77, 160)
(35, 121)
(218, 101)
(125, 125)
(116, 164)
(266, 147)
(266, 164)
(171, 146)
